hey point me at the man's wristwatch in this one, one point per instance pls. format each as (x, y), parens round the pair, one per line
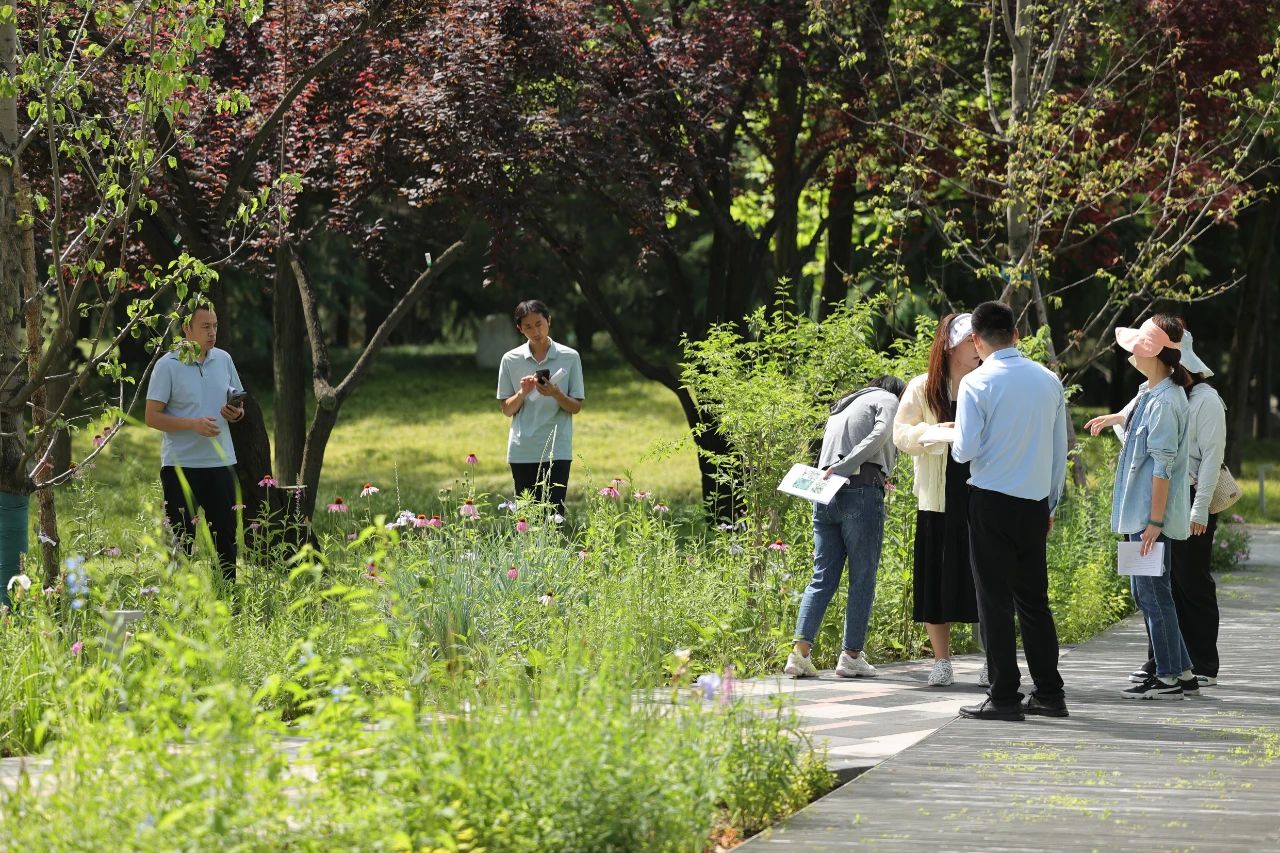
(1154, 523)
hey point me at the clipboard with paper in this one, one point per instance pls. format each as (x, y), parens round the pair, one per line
(1129, 559)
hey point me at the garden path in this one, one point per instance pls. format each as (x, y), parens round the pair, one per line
(1201, 774)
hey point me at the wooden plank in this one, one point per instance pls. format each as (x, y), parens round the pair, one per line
(1118, 774)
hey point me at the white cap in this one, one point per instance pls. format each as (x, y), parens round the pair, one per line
(961, 328)
(1190, 360)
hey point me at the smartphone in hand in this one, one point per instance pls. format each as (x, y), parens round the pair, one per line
(543, 375)
(236, 396)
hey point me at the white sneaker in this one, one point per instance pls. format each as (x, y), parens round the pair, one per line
(983, 680)
(941, 675)
(800, 666)
(851, 667)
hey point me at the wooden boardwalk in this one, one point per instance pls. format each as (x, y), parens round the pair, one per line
(1119, 774)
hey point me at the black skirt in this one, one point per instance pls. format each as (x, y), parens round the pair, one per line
(943, 567)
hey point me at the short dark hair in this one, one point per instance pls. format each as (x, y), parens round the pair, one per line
(532, 306)
(993, 322)
(892, 384)
(193, 307)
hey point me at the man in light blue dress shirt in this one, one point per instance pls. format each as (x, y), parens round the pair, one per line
(1011, 426)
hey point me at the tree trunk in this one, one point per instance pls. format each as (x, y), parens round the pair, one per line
(15, 485)
(289, 372)
(1259, 230)
(839, 263)
(1262, 390)
(786, 178)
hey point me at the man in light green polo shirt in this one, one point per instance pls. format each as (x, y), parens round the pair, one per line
(540, 386)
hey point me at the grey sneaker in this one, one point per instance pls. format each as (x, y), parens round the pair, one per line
(983, 680)
(851, 667)
(941, 675)
(800, 666)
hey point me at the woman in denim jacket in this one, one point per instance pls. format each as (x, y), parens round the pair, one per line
(1151, 501)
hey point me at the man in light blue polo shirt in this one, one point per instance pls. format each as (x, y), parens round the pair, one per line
(193, 394)
(540, 386)
(1011, 426)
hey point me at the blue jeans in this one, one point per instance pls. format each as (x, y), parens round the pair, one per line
(1154, 596)
(850, 528)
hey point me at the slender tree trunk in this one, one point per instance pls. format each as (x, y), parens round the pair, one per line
(839, 263)
(786, 179)
(289, 372)
(1262, 395)
(1259, 230)
(47, 507)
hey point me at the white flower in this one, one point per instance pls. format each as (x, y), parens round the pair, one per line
(46, 539)
(20, 580)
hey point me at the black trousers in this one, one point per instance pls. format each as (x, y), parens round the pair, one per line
(1195, 597)
(1010, 573)
(548, 481)
(213, 493)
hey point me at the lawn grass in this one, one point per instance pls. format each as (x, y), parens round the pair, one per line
(419, 412)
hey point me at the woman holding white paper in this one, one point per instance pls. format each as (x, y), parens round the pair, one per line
(943, 589)
(857, 445)
(1195, 594)
(1151, 501)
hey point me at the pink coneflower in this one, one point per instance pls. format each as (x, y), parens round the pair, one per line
(237, 507)
(471, 459)
(77, 647)
(889, 486)
(548, 599)
(522, 526)
(513, 573)
(583, 554)
(642, 495)
(609, 492)
(338, 506)
(98, 441)
(438, 522)
(113, 551)
(778, 545)
(661, 507)
(351, 537)
(371, 571)
(368, 490)
(253, 525)
(268, 482)
(469, 509)
(421, 521)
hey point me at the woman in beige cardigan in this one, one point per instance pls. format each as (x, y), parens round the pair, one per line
(943, 577)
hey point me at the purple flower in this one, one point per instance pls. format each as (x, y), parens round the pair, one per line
(522, 526)
(113, 551)
(338, 506)
(642, 495)
(1236, 518)
(513, 573)
(368, 490)
(609, 492)
(469, 509)
(98, 441)
(709, 684)
(268, 482)
(438, 522)
(509, 506)
(237, 507)
(77, 647)
(778, 545)
(661, 507)
(471, 459)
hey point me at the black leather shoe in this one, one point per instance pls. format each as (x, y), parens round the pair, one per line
(1045, 707)
(990, 711)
